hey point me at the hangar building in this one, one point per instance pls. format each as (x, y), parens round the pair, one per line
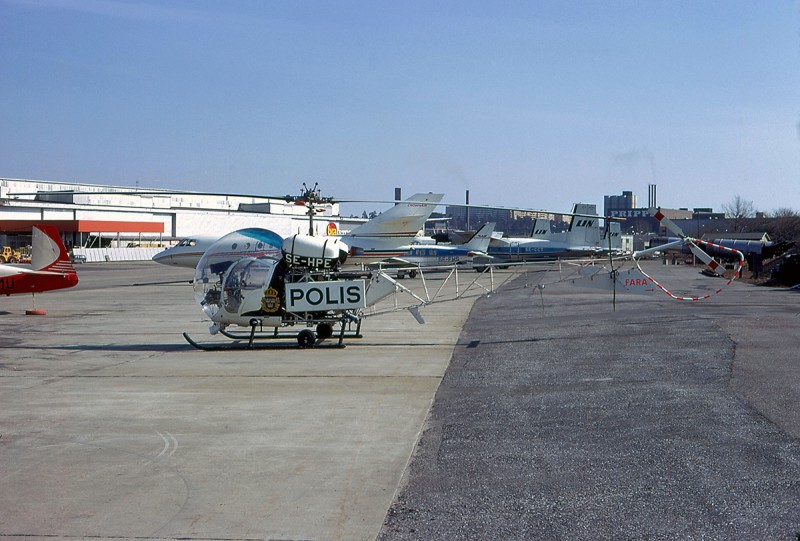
(112, 218)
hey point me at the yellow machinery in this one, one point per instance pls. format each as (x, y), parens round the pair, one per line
(10, 255)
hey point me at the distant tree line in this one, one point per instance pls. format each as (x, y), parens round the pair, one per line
(782, 224)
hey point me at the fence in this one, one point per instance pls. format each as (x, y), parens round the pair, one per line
(117, 254)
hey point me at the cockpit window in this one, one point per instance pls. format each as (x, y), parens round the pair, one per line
(246, 275)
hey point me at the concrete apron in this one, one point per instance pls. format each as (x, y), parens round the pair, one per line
(113, 426)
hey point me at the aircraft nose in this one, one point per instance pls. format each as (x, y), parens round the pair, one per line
(163, 257)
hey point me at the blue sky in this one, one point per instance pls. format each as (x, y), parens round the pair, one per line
(533, 104)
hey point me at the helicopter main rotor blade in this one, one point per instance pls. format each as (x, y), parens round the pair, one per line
(698, 252)
(666, 222)
(702, 255)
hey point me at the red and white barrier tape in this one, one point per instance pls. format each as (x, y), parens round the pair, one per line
(712, 265)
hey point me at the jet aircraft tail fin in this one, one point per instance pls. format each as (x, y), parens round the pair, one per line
(584, 231)
(614, 230)
(541, 229)
(480, 240)
(405, 219)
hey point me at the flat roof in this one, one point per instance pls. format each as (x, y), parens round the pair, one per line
(84, 226)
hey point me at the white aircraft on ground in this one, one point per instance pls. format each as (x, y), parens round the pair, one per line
(582, 239)
(50, 266)
(387, 235)
(187, 252)
(438, 255)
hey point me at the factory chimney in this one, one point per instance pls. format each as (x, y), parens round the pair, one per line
(651, 196)
(467, 202)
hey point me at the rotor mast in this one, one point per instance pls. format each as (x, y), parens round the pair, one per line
(311, 198)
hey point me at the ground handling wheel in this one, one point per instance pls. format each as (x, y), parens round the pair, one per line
(306, 338)
(324, 331)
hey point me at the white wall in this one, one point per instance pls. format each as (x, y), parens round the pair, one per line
(117, 254)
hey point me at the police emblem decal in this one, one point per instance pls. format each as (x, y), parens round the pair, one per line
(270, 302)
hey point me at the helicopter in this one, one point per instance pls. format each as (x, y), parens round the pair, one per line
(281, 283)
(256, 279)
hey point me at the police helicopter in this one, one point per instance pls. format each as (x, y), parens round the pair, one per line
(253, 278)
(256, 279)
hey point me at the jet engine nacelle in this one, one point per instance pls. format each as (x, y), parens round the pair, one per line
(314, 252)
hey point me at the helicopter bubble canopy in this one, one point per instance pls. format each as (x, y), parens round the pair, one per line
(214, 267)
(250, 242)
(240, 292)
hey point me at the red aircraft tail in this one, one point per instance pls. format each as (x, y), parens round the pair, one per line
(49, 252)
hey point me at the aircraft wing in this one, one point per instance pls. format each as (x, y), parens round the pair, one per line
(394, 263)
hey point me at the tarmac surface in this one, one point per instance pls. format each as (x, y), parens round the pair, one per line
(566, 419)
(558, 418)
(113, 427)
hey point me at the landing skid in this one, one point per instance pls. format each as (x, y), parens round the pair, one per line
(306, 338)
(250, 346)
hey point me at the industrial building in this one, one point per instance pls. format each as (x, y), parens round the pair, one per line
(114, 222)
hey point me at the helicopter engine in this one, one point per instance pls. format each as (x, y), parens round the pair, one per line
(318, 253)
